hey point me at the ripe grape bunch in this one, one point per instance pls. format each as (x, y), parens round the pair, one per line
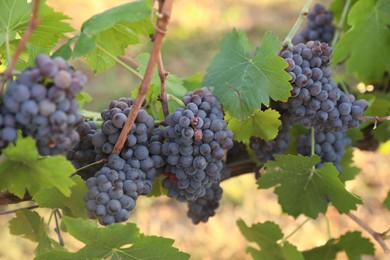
(193, 146)
(319, 26)
(115, 187)
(330, 146)
(316, 100)
(42, 102)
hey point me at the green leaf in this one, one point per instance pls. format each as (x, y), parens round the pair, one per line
(303, 189)
(82, 98)
(113, 242)
(30, 225)
(349, 171)
(15, 16)
(337, 7)
(386, 203)
(23, 168)
(354, 245)
(106, 35)
(53, 198)
(158, 189)
(366, 45)
(267, 235)
(243, 81)
(264, 124)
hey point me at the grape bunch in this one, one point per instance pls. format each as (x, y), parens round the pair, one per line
(42, 101)
(264, 150)
(330, 146)
(201, 209)
(319, 26)
(316, 100)
(113, 191)
(194, 143)
(115, 187)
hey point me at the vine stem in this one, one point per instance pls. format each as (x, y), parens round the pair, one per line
(57, 228)
(376, 119)
(32, 24)
(19, 209)
(175, 99)
(120, 62)
(161, 29)
(341, 22)
(313, 142)
(379, 237)
(302, 16)
(87, 166)
(163, 78)
(296, 229)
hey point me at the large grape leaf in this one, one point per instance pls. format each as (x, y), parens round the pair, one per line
(243, 81)
(352, 243)
(14, 18)
(303, 189)
(106, 35)
(337, 7)
(22, 168)
(349, 170)
(264, 124)
(53, 198)
(366, 44)
(267, 235)
(113, 242)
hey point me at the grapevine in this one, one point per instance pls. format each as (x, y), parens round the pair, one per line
(291, 113)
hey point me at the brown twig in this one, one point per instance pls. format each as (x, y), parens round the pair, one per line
(377, 236)
(376, 119)
(161, 28)
(163, 78)
(18, 209)
(34, 21)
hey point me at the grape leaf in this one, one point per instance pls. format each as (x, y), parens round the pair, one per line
(352, 243)
(112, 242)
(15, 16)
(82, 98)
(386, 203)
(366, 45)
(243, 81)
(23, 168)
(337, 7)
(264, 124)
(30, 225)
(106, 35)
(267, 235)
(53, 198)
(349, 171)
(303, 189)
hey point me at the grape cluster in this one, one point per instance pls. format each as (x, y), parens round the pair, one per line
(330, 146)
(319, 26)
(113, 191)
(42, 102)
(194, 143)
(264, 150)
(125, 176)
(316, 100)
(201, 209)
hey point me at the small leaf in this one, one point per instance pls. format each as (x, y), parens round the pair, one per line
(22, 168)
(349, 170)
(82, 98)
(303, 189)
(243, 82)
(264, 124)
(325, 252)
(267, 235)
(27, 224)
(369, 20)
(386, 203)
(355, 245)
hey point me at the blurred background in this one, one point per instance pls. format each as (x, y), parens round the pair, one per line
(195, 32)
